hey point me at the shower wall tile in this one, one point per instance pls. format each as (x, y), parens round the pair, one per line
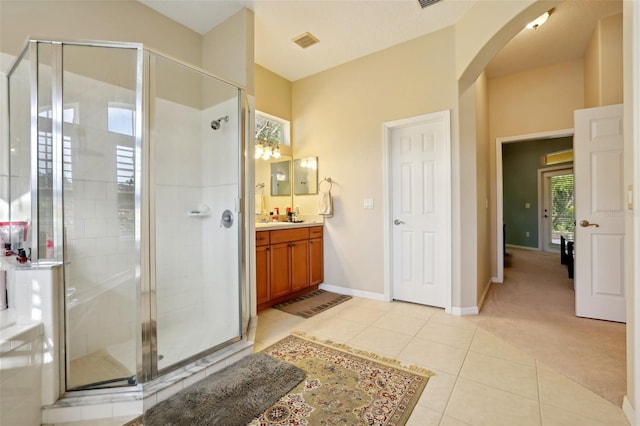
(220, 149)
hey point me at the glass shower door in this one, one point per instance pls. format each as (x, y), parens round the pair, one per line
(195, 158)
(98, 179)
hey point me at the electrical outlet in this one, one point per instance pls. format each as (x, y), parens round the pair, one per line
(526, 234)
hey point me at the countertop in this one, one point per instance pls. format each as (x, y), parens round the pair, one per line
(272, 226)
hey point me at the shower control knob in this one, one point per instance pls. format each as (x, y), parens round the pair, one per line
(227, 219)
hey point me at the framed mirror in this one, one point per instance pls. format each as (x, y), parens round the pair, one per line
(280, 178)
(305, 176)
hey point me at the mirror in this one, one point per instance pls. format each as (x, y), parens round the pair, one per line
(305, 176)
(280, 178)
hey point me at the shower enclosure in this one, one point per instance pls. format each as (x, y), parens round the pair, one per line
(126, 167)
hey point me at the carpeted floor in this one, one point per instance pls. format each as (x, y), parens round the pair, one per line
(534, 309)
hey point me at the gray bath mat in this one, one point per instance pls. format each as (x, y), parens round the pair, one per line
(232, 396)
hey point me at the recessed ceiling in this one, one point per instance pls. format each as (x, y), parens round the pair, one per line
(350, 29)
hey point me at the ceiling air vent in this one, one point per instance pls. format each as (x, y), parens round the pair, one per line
(305, 40)
(425, 3)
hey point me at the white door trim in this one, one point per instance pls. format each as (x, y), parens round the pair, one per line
(387, 128)
(499, 278)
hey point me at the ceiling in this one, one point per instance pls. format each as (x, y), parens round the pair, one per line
(349, 29)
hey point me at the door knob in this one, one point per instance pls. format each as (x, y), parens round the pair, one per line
(397, 222)
(584, 223)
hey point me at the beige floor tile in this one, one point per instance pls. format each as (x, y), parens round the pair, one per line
(554, 416)
(335, 328)
(380, 341)
(274, 314)
(423, 416)
(362, 314)
(441, 317)
(400, 323)
(486, 343)
(559, 391)
(482, 405)
(458, 337)
(413, 310)
(506, 375)
(373, 304)
(429, 354)
(438, 390)
(270, 331)
(450, 421)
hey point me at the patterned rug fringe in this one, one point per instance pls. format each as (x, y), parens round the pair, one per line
(366, 354)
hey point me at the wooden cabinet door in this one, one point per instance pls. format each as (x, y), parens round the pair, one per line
(299, 264)
(263, 273)
(316, 261)
(280, 266)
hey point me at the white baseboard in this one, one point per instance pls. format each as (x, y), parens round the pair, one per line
(628, 410)
(352, 292)
(496, 280)
(471, 310)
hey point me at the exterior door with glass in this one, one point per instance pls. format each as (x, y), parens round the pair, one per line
(558, 208)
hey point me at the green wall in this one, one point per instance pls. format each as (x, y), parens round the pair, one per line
(520, 164)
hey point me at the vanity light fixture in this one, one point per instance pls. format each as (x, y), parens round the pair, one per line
(537, 23)
(266, 150)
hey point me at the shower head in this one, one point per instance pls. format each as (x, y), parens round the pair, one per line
(215, 124)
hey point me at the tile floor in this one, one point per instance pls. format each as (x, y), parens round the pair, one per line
(480, 379)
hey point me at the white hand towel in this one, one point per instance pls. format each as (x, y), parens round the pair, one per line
(325, 203)
(259, 204)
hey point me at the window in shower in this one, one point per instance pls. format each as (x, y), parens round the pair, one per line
(121, 118)
(125, 171)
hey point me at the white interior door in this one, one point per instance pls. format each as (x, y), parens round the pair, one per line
(420, 211)
(600, 210)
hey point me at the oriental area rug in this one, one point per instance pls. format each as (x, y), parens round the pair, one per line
(343, 386)
(312, 303)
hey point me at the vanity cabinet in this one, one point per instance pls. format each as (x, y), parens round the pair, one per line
(316, 256)
(288, 264)
(263, 267)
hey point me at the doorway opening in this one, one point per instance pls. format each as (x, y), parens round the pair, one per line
(501, 230)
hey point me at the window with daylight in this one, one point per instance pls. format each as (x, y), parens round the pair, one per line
(562, 207)
(121, 118)
(125, 170)
(271, 132)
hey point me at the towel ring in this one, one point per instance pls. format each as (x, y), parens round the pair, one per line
(328, 180)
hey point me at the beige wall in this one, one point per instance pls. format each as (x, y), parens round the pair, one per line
(126, 21)
(227, 50)
(603, 64)
(273, 93)
(338, 116)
